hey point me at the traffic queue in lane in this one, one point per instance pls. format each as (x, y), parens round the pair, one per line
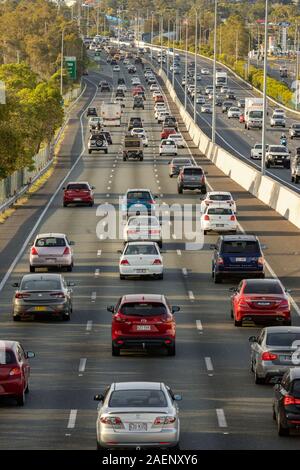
(148, 320)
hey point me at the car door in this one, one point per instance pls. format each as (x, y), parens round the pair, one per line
(257, 348)
(235, 297)
(280, 391)
(23, 363)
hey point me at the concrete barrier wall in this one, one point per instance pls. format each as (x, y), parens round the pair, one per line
(285, 201)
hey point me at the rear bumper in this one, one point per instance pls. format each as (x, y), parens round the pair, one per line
(136, 270)
(143, 342)
(164, 439)
(43, 262)
(263, 317)
(51, 310)
(82, 200)
(268, 372)
(11, 387)
(240, 273)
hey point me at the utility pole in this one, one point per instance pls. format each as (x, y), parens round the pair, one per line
(151, 51)
(195, 82)
(97, 17)
(173, 71)
(264, 124)
(62, 61)
(161, 41)
(186, 62)
(168, 52)
(213, 127)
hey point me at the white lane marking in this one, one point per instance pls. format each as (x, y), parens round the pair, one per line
(184, 271)
(99, 252)
(209, 365)
(89, 325)
(199, 326)
(97, 272)
(58, 189)
(108, 188)
(178, 252)
(82, 364)
(107, 195)
(161, 195)
(94, 296)
(221, 418)
(191, 295)
(72, 419)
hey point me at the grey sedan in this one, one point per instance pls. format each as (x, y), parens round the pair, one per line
(138, 415)
(274, 351)
(43, 295)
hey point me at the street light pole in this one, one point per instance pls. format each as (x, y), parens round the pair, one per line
(213, 127)
(161, 41)
(264, 124)
(186, 62)
(173, 71)
(195, 82)
(62, 61)
(297, 73)
(151, 52)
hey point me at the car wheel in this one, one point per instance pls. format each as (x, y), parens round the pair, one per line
(172, 350)
(231, 313)
(70, 268)
(296, 179)
(21, 399)
(66, 317)
(27, 389)
(90, 151)
(122, 277)
(65, 204)
(268, 165)
(32, 269)
(16, 318)
(292, 179)
(160, 276)
(237, 322)
(287, 323)
(180, 190)
(274, 414)
(171, 176)
(115, 351)
(217, 278)
(141, 159)
(91, 204)
(258, 380)
(282, 431)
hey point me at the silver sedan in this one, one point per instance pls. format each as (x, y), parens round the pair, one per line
(138, 415)
(51, 250)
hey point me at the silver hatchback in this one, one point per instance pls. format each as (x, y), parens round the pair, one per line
(274, 351)
(51, 250)
(138, 415)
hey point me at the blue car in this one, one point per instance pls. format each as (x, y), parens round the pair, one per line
(139, 202)
(237, 256)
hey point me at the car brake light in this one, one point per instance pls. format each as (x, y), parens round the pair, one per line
(66, 251)
(203, 179)
(20, 295)
(206, 217)
(154, 232)
(220, 260)
(34, 251)
(114, 421)
(124, 262)
(285, 304)
(157, 261)
(232, 217)
(161, 420)
(267, 356)
(15, 371)
(261, 260)
(289, 400)
(131, 232)
(58, 295)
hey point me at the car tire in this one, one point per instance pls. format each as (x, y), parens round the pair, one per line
(171, 176)
(175, 448)
(205, 232)
(65, 204)
(237, 322)
(282, 431)
(27, 389)
(105, 151)
(66, 317)
(293, 179)
(122, 277)
(90, 151)
(16, 318)
(115, 351)
(91, 204)
(217, 279)
(258, 380)
(141, 159)
(180, 190)
(20, 399)
(231, 313)
(274, 414)
(297, 179)
(172, 350)
(287, 323)
(160, 276)
(32, 269)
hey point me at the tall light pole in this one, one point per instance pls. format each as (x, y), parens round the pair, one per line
(264, 124)
(62, 61)
(168, 52)
(195, 82)
(186, 62)
(161, 41)
(214, 111)
(151, 51)
(173, 71)
(297, 72)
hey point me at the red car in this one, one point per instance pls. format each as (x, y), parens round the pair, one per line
(14, 371)
(143, 321)
(242, 118)
(167, 131)
(261, 301)
(78, 193)
(137, 89)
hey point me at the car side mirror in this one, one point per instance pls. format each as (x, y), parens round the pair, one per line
(264, 247)
(71, 243)
(288, 291)
(93, 187)
(16, 284)
(175, 309)
(177, 397)
(99, 397)
(30, 354)
(111, 308)
(252, 339)
(206, 172)
(64, 188)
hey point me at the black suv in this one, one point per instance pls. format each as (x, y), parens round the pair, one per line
(238, 256)
(286, 402)
(91, 112)
(104, 86)
(135, 122)
(191, 177)
(138, 102)
(120, 93)
(121, 81)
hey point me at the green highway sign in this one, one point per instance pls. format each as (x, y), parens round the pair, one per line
(70, 63)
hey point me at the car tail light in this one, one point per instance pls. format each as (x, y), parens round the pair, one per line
(261, 260)
(284, 304)
(161, 420)
(58, 295)
(206, 217)
(289, 400)
(131, 232)
(119, 319)
(34, 251)
(157, 261)
(232, 217)
(21, 295)
(67, 251)
(15, 372)
(114, 421)
(220, 260)
(267, 356)
(154, 232)
(124, 262)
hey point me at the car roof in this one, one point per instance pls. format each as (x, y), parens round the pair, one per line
(78, 182)
(137, 190)
(143, 298)
(137, 386)
(141, 243)
(7, 344)
(239, 237)
(263, 281)
(282, 329)
(216, 193)
(51, 234)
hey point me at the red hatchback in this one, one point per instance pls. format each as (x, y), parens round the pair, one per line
(143, 321)
(14, 371)
(167, 131)
(261, 301)
(78, 193)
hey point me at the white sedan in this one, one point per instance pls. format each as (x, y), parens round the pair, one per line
(206, 108)
(168, 147)
(233, 112)
(116, 68)
(217, 197)
(140, 132)
(205, 71)
(200, 100)
(122, 86)
(179, 140)
(141, 259)
(154, 87)
(135, 81)
(218, 218)
(143, 227)
(161, 115)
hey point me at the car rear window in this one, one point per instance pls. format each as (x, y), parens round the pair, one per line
(193, 171)
(240, 246)
(129, 143)
(143, 309)
(282, 339)
(139, 195)
(6, 357)
(72, 187)
(137, 399)
(296, 389)
(50, 242)
(220, 197)
(178, 161)
(219, 211)
(141, 250)
(261, 287)
(279, 149)
(40, 284)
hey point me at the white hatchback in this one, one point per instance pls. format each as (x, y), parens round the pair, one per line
(168, 147)
(140, 132)
(141, 259)
(218, 197)
(218, 218)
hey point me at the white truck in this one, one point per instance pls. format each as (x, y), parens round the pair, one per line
(111, 114)
(221, 79)
(253, 113)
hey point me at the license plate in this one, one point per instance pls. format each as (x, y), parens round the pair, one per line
(51, 260)
(285, 358)
(40, 309)
(143, 327)
(240, 260)
(263, 303)
(77, 198)
(219, 225)
(141, 270)
(137, 426)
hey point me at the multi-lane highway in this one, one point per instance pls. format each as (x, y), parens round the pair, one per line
(222, 408)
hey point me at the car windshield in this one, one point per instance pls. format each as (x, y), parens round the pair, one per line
(282, 339)
(219, 211)
(262, 287)
(255, 114)
(137, 399)
(278, 116)
(139, 195)
(279, 149)
(296, 126)
(50, 242)
(141, 250)
(220, 197)
(77, 186)
(40, 284)
(193, 171)
(142, 309)
(240, 246)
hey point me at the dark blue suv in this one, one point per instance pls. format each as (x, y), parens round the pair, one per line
(238, 256)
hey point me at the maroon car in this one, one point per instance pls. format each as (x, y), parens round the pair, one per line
(14, 371)
(78, 193)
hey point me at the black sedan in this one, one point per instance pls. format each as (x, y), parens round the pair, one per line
(91, 112)
(286, 403)
(42, 295)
